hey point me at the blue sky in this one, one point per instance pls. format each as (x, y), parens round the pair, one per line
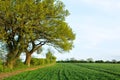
(96, 24)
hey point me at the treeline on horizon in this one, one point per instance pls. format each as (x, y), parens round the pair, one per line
(89, 60)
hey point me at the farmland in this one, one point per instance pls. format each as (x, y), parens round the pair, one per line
(72, 71)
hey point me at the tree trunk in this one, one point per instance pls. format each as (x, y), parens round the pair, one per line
(11, 59)
(10, 63)
(28, 59)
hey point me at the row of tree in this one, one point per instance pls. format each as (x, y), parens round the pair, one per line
(89, 60)
(27, 25)
(50, 59)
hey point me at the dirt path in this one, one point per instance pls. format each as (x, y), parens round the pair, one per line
(8, 74)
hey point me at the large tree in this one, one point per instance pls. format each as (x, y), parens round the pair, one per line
(54, 31)
(11, 30)
(27, 25)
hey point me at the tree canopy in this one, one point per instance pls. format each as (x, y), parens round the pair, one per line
(26, 25)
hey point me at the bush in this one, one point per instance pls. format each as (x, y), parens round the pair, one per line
(1, 68)
(18, 63)
(42, 61)
(47, 61)
(34, 61)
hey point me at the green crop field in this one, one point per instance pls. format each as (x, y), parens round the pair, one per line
(72, 71)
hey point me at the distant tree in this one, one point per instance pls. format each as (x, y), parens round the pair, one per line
(90, 60)
(107, 61)
(99, 61)
(54, 59)
(73, 60)
(50, 57)
(67, 60)
(83, 61)
(118, 61)
(114, 61)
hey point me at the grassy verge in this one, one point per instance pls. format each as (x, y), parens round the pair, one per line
(21, 69)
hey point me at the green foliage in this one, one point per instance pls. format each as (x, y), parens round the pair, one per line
(23, 22)
(34, 61)
(1, 65)
(1, 68)
(50, 57)
(89, 60)
(18, 63)
(41, 61)
(70, 71)
(99, 61)
(37, 61)
(1, 62)
(30, 21)
(47, 61)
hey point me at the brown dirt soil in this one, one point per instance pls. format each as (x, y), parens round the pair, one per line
(8, 74)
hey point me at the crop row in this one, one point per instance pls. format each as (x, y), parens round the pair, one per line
(107, 68)
(65, 71)
(113, 67)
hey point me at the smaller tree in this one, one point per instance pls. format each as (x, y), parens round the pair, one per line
(72, 59)
(90, 60)
(53, 59)
(83, 61)
(50, 57)
(114, 61)
(107, 61)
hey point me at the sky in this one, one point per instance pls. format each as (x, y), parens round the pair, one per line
(97, 28)
(96, 24)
